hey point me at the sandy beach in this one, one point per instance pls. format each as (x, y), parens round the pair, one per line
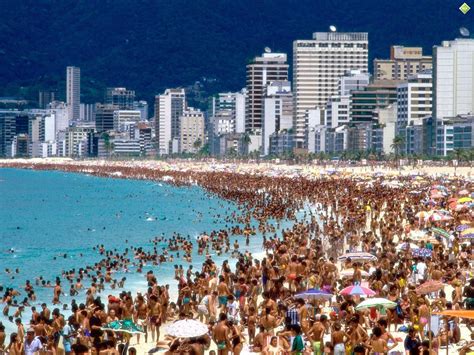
(361, 219)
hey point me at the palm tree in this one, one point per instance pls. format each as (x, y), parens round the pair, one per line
(397, 145)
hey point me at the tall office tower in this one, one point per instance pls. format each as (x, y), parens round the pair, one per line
(45, 97)
(353, 80)
(403, 62)
(277, 111)
(318, 65)
(168, 109)
(191, 131)
(120, 97)
(414, 101)
(104, 117)
(261, 72)
(73, 92)
(453, 78)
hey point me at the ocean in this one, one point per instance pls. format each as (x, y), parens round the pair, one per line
(49, 218)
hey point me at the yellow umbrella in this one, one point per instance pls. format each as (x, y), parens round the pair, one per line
(464, 199)
(468, 231)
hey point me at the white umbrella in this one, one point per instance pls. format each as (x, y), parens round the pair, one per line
(187, 328)
(377, 303)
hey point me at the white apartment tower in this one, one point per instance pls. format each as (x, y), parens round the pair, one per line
(414, 100)
(260, 72)
(318, 65)
(169, 108)
(73, 92)
(453, 78)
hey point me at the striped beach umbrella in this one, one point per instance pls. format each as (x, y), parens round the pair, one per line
(358, 256)
(441, 232)
(357, 290)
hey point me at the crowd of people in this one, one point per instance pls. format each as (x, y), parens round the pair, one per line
(262, 305)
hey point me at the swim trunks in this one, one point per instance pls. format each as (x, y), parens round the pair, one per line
(222, 300)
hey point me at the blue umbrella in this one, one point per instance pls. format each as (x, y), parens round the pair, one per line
(314, 294)
(462, 227)
(422, 252)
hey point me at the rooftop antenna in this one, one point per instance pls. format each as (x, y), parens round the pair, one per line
(268, 50)
(464, 32)
(332, 28)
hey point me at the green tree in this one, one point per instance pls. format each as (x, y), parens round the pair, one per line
(397, 145)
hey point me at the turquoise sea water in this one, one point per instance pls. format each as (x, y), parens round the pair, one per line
(46, 214)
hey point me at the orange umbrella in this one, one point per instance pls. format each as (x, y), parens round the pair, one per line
(461, 313)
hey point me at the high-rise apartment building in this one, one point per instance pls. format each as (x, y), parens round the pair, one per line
(414, 101)
(318, 65)
(453, 78)
(141, 106)
(260, 72)
(403, 62)
(120, 97)
(228, 108)
(169, 108)
(87, 112)
(338, 110)
(73, 92)
(191, 131)
(7, 131)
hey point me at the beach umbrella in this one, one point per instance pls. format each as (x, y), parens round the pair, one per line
(422, 252)
(314, 294)
(350, 272)
(462, 227)
(463, 192)
(123, 326)
(441, 232)
(467, 236)
(461, 313)
(357, 290)
(464, 199)
(429, 287)
(377, 303)
(467, 231)
(187, 328)
(405, 246)
(358, 256)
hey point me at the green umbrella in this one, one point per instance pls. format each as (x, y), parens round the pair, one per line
(377, 303)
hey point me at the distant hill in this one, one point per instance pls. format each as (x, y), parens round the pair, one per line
(148, 45)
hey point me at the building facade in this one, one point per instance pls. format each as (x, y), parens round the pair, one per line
(73, 92)
(318, 65)
(120, 97)
(169, 107)
(403, 62)
(104, 117)
(192, 131)
(260, 72)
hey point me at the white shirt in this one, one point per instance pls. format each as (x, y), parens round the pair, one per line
(33, 347)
